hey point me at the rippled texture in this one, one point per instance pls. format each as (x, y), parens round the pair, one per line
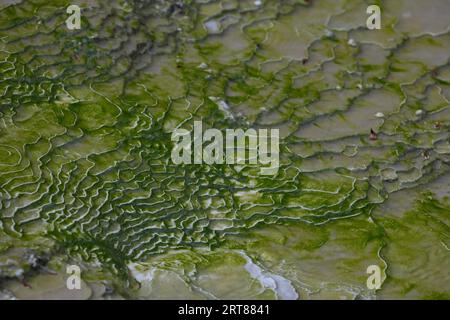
(85, 168)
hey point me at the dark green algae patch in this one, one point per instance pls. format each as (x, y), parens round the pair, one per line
(85, 170)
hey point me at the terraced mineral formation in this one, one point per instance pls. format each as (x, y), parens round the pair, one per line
(86, 176)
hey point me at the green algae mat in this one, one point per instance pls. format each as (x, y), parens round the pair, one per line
(358, 209)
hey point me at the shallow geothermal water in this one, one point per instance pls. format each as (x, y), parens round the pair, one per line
(86, 176)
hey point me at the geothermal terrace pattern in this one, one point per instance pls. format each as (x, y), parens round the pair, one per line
(86, 176)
